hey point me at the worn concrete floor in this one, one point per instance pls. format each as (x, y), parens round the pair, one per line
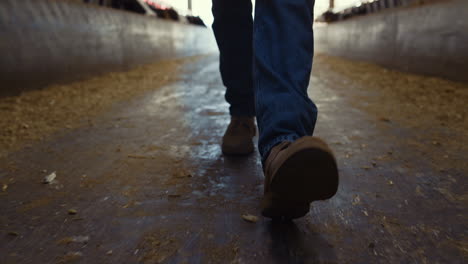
(149, 184)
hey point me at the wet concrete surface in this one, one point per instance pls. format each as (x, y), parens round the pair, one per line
(149, 185)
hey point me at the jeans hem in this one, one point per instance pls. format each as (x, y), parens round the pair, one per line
(241, 113)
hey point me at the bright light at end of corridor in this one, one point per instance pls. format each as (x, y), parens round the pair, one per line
(202, 8)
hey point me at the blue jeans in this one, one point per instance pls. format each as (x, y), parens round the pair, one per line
(265, 65)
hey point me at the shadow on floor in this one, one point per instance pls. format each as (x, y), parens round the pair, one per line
(291, 245)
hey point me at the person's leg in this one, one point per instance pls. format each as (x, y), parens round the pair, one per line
(283, 50)
(233, 26)
(298, 168)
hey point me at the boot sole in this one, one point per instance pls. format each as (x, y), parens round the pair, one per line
(308, 175)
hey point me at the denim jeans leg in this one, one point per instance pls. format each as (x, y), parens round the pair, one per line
(283, 51)
(233, 27)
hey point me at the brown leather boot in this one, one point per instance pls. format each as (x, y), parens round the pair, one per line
(297, 173)
(238, 137)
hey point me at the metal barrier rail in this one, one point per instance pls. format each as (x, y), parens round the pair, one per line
(45, 41)
(429, 39)
(368, 8)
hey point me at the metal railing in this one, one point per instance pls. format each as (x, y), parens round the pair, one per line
(364, 8)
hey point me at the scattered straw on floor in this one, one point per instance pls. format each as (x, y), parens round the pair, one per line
(434, 109)
(413, 99)
(35, 115)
